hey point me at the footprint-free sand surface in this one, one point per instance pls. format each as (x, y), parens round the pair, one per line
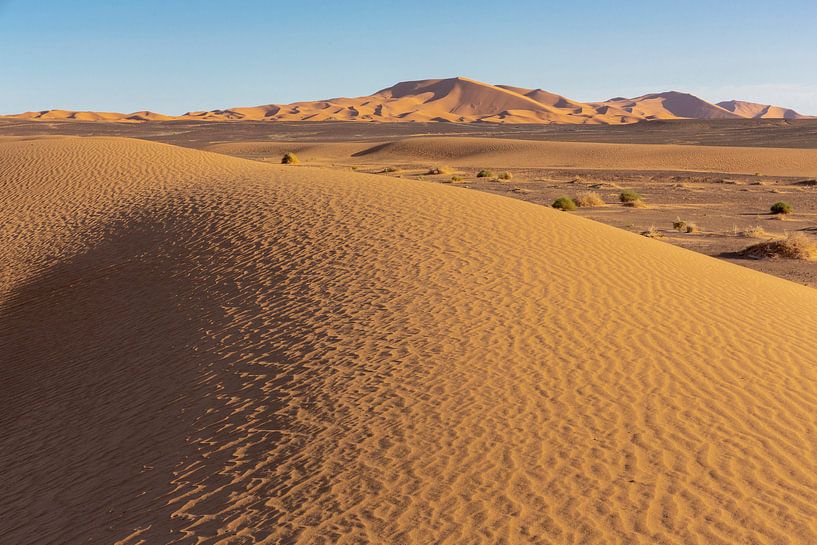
(203, 349)
(510, 153)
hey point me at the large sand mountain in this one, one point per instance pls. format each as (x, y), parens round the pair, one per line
(200, 349)
(460, 100)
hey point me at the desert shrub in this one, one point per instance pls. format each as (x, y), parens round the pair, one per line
(652, 232)
(794, 246)
(289, 158)
(588, 198)
(781, 207)
(389, 170)
(485, 174)
(629, 196)
(564, 203)
(456, 178)
(505, 175)
(438, 170)
(755, 232)
(685, 226)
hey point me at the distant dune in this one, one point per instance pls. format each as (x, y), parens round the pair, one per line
(203, 349)
(460, 100)
(760, 111)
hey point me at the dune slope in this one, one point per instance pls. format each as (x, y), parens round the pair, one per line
(202, 349)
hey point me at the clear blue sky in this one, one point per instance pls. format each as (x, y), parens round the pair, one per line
(173, 56)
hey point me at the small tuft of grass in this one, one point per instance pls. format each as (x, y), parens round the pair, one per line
(564, 203)
(794, 246)
(685, 226)
(652, 232)
(456, 178)
(289, 158)
(485, 174)
(755, 232)
(505, 175)
(587, 199)
(781, 207)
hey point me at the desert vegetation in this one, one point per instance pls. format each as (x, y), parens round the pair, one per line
(685, 226)
(793, 246)
(781, 207)
(505, 175)
(485, 174)
(587, 199)
(564, 203)
(632, 199)
(289, 158)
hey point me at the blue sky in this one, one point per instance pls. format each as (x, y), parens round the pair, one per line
(173, 56)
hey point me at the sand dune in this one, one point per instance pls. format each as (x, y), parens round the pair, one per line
(753, 110)
(203, 349)
(457, 99)
(671, 105)
(508, 153)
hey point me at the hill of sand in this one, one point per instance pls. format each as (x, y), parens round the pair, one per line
(754, 110)
(453, 100)
(509, 153)
(670, 105)
(203, 349)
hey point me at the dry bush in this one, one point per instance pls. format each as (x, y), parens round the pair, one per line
(389, 170)
(505, 175)
(794, 246)
(438, 170)
(456, 178)
(652, 232)
(485, 174)
(587, 199)
(685, 226)
(755, 232)
(289, 158)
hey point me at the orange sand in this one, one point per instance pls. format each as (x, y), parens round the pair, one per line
(203, 349)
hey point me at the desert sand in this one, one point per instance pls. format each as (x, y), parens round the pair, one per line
(206, 349)
(460, 100)
(505, 152)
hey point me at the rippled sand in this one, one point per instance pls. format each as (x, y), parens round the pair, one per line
(202, 349)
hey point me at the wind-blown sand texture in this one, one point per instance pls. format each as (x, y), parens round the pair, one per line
(203, 349)
(462, 100)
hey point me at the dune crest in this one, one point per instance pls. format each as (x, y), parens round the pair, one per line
(459, 99)
(203, 349)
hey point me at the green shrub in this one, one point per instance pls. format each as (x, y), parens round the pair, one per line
(289, 158)
(781, 207)
(564, 203)
(629, 196)
(485, 174)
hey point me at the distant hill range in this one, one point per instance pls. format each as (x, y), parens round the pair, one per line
(461, 100)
